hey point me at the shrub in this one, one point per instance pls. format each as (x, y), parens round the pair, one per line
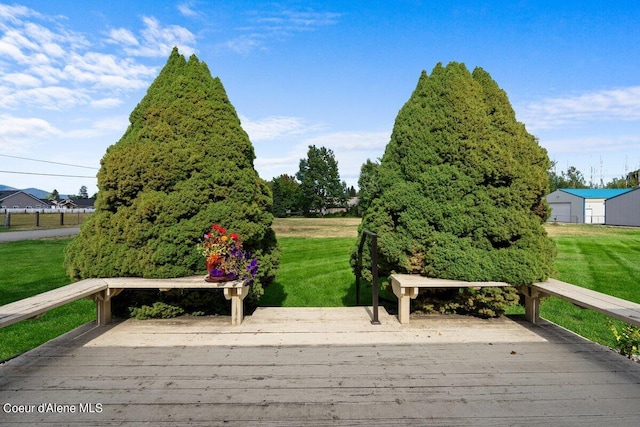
(159, 310)
(628, 340)
(459, 192)
(183, 163)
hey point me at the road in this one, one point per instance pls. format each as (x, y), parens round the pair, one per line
(14, 236)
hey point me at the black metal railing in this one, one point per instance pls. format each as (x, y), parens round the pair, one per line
(374, 272)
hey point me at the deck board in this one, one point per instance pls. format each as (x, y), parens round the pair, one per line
(436, 371)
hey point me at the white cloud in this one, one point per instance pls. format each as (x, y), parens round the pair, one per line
(275, 127)
(267, 25)
(106, 102)
(17, 133)
(108, 126)
(123, 36)
(21, 80)
(51, 68)
(47, 98)
(246, 43)
(606, 105)
(594, 144)
(351, 141)
(157, 40)
(186, 9)
(13, 13)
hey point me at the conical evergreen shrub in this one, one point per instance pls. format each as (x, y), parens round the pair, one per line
(460, 190)
(183, 164)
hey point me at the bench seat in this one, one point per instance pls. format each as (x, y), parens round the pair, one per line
(38, 304)
(102, 290)
(235, 290)
(626, 311)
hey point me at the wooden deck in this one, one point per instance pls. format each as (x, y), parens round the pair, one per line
(292, 367)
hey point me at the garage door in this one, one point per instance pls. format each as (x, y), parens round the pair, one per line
(560, 212)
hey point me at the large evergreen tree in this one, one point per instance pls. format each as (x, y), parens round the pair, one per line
(320, 181)
(183, 164)
(461, 186)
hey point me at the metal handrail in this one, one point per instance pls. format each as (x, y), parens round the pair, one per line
(374, 272)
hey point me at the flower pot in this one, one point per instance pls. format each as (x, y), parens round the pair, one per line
(219, 279)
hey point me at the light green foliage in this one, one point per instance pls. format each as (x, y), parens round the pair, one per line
(461, 186)
(183, 164)
(627, 340)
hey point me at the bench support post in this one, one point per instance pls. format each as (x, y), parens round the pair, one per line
(237, 296)
(531, 304)
(103, 305)
(404, 295)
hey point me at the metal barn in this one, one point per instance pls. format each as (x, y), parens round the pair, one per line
(581, 205)
(624, 209)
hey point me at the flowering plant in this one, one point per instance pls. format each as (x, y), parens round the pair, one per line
(225, 257)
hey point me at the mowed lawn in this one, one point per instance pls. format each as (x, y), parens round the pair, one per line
(605, 259)
(29, 268)
(315, 271)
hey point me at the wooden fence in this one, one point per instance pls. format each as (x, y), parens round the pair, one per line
(26, 219)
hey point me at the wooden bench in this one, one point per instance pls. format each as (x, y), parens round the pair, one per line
(37, 305)
(617, 308)
(102, 290)
(406, 287)
(236, 291)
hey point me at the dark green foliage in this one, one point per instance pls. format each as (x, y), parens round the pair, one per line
(573, 178)
(367, 182)
(461, 186)
(287, 196)
(183, 164)
(320, 181)
(159, 310)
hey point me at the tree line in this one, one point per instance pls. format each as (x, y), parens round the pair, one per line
(314, 189)
(574, 178)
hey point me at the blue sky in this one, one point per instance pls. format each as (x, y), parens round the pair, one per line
(329, 73)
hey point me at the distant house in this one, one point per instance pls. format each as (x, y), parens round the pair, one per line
(582, 206)
(624, 209)
(74, 203)
(18, 199)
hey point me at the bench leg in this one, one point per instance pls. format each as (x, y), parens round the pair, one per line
(103, 311)
(103, 307)
(237, 296)
(531, 304)
(404, 295)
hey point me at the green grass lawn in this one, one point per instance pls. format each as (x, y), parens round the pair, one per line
(606, 260)
(315, 272)
(28, 268)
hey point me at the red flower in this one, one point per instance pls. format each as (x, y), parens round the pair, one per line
(234, 237)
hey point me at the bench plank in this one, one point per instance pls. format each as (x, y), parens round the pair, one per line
(191, 282)
(626, 311)
(41, 303)
(415, 280)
